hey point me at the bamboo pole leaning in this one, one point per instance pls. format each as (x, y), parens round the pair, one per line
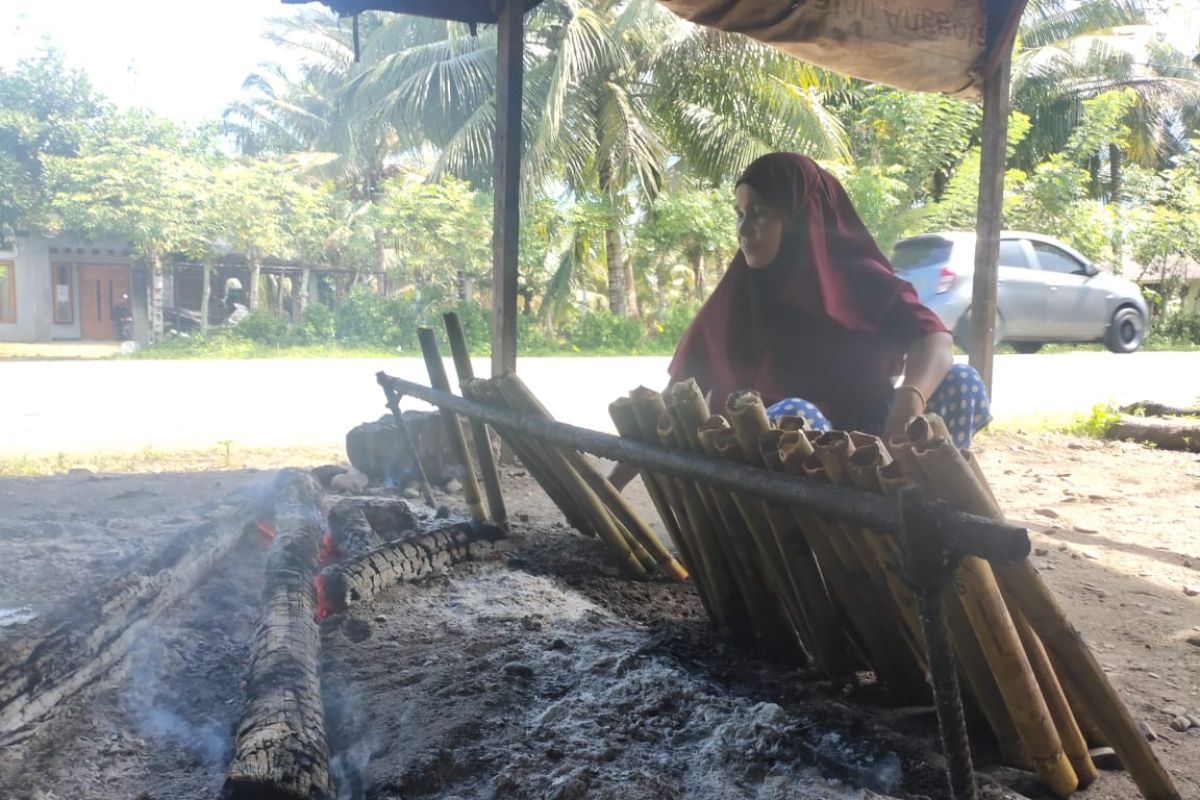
(1075, 664)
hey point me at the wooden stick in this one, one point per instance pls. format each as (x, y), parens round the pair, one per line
(479, 430)
(458, 441)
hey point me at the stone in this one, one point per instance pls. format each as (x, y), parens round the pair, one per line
(1092, 554)
(517, 669)
(1194, 641)
(351, 482)
(1174, 711)
(453, 486)
(326, 473)
(1180, 724)
(1192, 590)
(1046, 512)
(1146, 731)
(1041, 551)
(1082, 529)
(375, 449)
(411, 493)
(1105, 758)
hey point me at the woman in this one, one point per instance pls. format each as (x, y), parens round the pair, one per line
(811, 315)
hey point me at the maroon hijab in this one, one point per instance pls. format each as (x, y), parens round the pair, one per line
(827, 321)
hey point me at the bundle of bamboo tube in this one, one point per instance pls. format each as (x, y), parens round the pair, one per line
(796, 584)
(587, 499)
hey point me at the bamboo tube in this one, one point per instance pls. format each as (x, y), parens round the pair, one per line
(990, 619)
(1077, 666)
(769, 588)
(977, 470)
(619, 516)
(898, 661)
(732, 617)
(790, 422)
(549, 461)
(976, 675)
(1060, 710)
(862, 469)
(621, 412)
(484, 391)
(776, 631)
(748, 416)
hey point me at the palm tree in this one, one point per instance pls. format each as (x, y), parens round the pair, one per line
(612, 91)
(1069, 52)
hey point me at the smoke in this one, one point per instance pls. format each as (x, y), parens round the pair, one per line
(350, 741)
(162, 715)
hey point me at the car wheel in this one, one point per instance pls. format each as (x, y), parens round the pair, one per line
(962, 331)
(1126, 331)
(1026, 348)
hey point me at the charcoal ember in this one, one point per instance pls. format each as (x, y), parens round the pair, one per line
(390, 517)
(348, 582)
(350, 531)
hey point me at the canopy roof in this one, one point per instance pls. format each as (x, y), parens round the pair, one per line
(944, 46)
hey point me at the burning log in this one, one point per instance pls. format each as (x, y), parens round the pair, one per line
(350, 533)
(341, 585)
(281, 751)
(61, 653)
(390, 517)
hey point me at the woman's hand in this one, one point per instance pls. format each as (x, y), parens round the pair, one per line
(926, 364)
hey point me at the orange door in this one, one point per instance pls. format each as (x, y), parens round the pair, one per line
(100, 289)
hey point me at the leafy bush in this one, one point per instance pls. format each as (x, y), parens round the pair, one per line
(317, 325)
(602, 331)
(264, 328)
(1177, 328)
(676, 321)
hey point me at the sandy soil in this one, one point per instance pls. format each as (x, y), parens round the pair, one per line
(542, 674)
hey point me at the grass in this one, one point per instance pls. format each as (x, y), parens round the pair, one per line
(226, 455)
(1092, 424)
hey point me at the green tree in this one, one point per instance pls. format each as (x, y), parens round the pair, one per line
(46, 111)
(142, 182)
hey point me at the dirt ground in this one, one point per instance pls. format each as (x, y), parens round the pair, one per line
(542, 674)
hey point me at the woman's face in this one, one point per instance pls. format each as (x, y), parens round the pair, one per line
(759, 227)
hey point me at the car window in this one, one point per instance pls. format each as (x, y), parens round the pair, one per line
(1053, 259)
(918, 253)
(1012, 254)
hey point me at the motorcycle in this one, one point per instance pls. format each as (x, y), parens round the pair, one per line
(122, 315)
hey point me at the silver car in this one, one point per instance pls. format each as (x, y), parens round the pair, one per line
(1047, 292)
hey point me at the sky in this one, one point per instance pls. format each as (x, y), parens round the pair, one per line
(185, 61)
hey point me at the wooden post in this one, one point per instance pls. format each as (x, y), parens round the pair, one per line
(989, 214)
(506, 151)
(205, 295)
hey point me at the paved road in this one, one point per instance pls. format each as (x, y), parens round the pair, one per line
(48, 407)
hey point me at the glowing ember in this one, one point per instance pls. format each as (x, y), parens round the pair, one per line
(328, 549)
(323, 610)
(266, 529)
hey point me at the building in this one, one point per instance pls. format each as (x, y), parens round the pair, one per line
(59, 289)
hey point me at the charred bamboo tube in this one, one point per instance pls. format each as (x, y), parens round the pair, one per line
(748, 416)
(790, 422)
(974, 671)
(862, 469)
(439, 380)
(1060, 710)
(993, 625)
(280, 749)
(823, 621)
(485, 393)
(897, 662)
(732, 616)
(479, 430)
(1077, 666)
(643, 541)
(762, 559)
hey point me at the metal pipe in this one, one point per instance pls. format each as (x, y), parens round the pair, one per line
(405, 441)
(974, 535)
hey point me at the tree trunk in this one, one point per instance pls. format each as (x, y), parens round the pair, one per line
(1114, 171)
(631, 301)
(255, 278)
(205, 295)
(279, 296)
(281, 750)
(1095, 188)
(1168, 433)
(698, 283)
(63, 652)
(380, 254)
(157, 291)
(618, 295)
(301, 303)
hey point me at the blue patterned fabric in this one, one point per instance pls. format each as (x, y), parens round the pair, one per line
(961, 400)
